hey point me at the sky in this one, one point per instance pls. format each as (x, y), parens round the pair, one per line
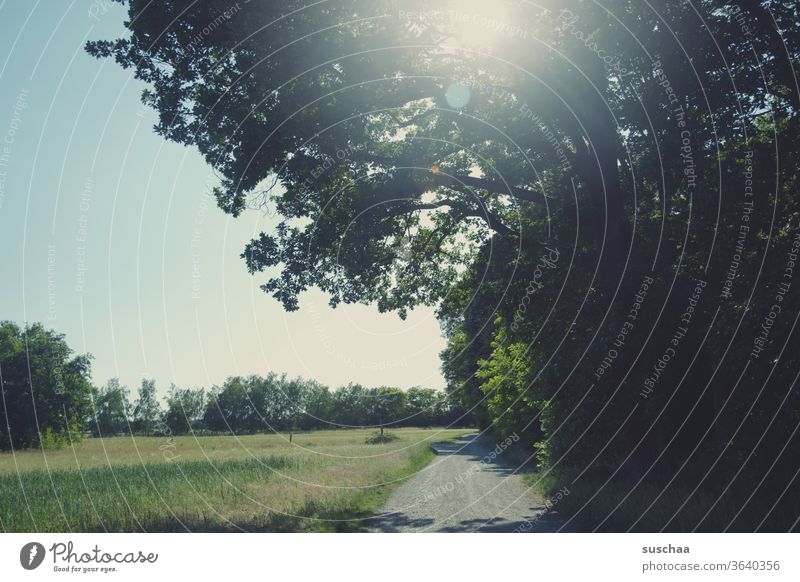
(109, 234)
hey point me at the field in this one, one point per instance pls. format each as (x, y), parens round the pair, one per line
(322, 481)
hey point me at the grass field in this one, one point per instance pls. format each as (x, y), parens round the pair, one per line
(322, 481)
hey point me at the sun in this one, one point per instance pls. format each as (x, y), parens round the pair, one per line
(480, 25)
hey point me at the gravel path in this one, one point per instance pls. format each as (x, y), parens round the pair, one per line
(460, 492)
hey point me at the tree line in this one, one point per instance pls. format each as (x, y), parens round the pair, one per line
(48, 400)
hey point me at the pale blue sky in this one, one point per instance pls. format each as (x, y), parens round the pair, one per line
(109, 236)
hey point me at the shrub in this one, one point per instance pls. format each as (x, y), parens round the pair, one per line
(379, 438)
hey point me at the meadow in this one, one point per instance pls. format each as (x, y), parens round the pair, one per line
(321, 481)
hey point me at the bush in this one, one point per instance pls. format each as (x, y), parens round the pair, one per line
(378, 438)
(51, 440)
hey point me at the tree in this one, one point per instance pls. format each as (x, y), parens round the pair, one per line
(229, 408)
(350, 405)
(185, 409)
(46, 391)
(449, 412)
(386, 406)
(261, 405)
(301, 405)
(146, 410)
(318, 405)
(112, 410)
(291, 404)
(421, 406)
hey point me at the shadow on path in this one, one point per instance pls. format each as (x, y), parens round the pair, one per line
(466, 488)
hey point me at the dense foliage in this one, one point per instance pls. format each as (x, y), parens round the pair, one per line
(46, 390)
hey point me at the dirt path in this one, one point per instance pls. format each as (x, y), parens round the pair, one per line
(461, 492)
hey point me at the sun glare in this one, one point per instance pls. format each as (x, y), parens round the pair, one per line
(480, 25)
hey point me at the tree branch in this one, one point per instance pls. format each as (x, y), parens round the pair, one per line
(492, 220)
(489, 185)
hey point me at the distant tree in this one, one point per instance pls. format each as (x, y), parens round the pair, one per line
(45, 389)
(386, 406)
(281, 404)
(112, 410)
(185, 409)
(229, 408)
(292, 404)
(262, 405)
(448, 411)
(421, 409)
(146, 410)
(318, 406)
(268, 404)
(350, 404)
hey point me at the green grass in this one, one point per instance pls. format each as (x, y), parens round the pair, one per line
(540, 481)
(322, 481)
